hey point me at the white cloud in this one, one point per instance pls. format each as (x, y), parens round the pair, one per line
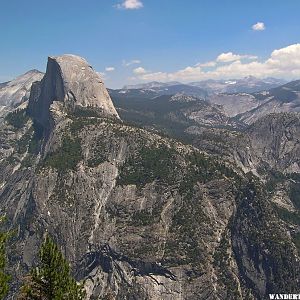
(229, 57)
(139, 71)
(109, 69)
(158, 76)
(130, 4)
(259, 26)
(282, 63)
(132, 62)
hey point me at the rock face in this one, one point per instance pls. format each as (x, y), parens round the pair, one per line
(272, 142)
(235, 104)
(69, 79)
(248, 108)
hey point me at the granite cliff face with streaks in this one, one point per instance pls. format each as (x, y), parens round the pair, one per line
(140, 215)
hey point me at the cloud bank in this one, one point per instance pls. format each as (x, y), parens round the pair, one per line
(282, 63)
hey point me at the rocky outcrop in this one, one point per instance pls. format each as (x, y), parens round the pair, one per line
(71, 81)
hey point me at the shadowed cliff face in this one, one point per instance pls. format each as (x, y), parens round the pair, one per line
(141, 216)
(70, 80)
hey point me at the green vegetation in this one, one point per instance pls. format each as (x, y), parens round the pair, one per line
(203, 169)
(222, 262)
(294, 176)
(294, 194)
(67, 156)
(188, 222)
(296, 240)
(185, 245)
(275, 177)
(98, 152)
(28, 161)
(31, 140)
(288, 216)
(155, 113)
(86, 116)
(162, 164)
(149, 164)
(17, 118)
(79, 123)
(96, 160)
(86, 112)
(24, 142)
(4, 277)
(52, 279)
(146, 217)
(256, 223)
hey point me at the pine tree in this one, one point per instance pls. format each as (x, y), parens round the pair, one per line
(51, 280)
(4, 278)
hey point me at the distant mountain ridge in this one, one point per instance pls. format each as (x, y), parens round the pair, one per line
(16, 91)
(150, 85)
(249, 84)
(160, 89)
(249, 107)
(13, 92)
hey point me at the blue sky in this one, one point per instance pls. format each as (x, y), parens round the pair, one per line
(172, 40)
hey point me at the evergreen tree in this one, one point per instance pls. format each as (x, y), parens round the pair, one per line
(51, 280)
(4, 278)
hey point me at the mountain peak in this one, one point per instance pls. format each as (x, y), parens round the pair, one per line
(71, 80)
(17, 90)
